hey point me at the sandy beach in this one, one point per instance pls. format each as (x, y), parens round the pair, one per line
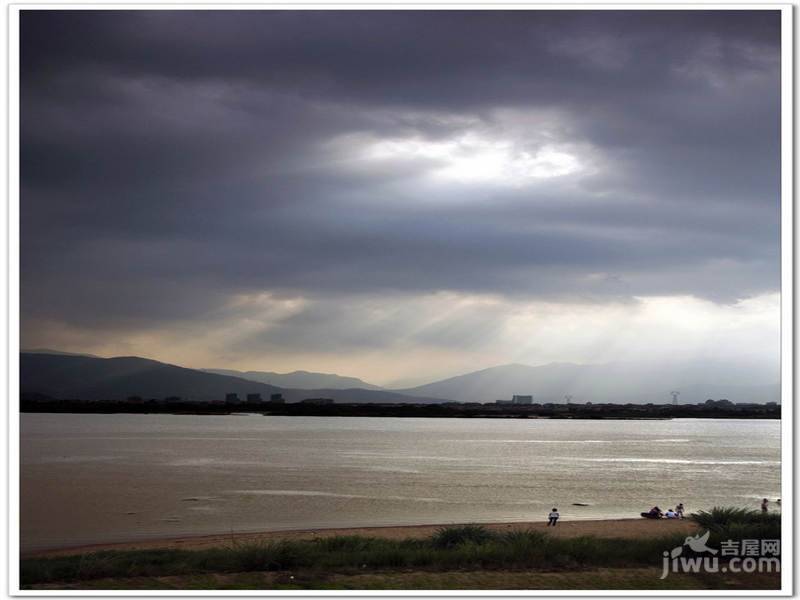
(609, 528)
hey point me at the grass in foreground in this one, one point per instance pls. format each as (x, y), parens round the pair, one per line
(589, 579)
(438, 562)
(469, 547)
(739, 523)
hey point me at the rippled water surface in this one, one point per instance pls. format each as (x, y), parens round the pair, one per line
(94, 478)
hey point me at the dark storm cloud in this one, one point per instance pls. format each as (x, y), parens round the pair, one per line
(172, 159)
(414, 57)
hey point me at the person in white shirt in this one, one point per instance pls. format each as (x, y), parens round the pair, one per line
(671, 514)
(553, 517)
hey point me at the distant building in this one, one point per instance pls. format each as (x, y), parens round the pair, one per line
(503, 402)
(517, 399)
(277, 398)
(254, 398)
(232, 399)
(317, 401)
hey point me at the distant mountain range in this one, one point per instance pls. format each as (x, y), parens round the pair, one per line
(612, 382)
(69, 376)
(299, 379)
(88, 378)
(64, 375)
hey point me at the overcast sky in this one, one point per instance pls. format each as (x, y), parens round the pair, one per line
(401, 195)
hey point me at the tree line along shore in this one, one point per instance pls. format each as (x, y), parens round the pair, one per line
(318, 408)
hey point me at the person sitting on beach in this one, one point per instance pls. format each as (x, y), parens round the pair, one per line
(679, 510)
(764, 505)
(671, 514)
(553, 517)
(655, 513)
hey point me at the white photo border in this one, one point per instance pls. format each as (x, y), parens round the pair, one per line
(10, 301)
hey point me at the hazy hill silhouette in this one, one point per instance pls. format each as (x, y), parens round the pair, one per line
(299, 379)
(72, 376)
(612, 382)
(86, 378)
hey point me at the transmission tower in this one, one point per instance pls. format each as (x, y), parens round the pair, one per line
(674, 398)
(568, 398)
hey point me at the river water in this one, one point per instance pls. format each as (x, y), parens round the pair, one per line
(105, 478)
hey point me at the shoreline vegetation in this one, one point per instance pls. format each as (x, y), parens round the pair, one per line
(607, 528)
(467, 556)
(35, 404)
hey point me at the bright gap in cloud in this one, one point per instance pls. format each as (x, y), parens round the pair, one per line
(475, 158)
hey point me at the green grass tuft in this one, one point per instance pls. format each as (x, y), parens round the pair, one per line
(739, 523)
(449, 537)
